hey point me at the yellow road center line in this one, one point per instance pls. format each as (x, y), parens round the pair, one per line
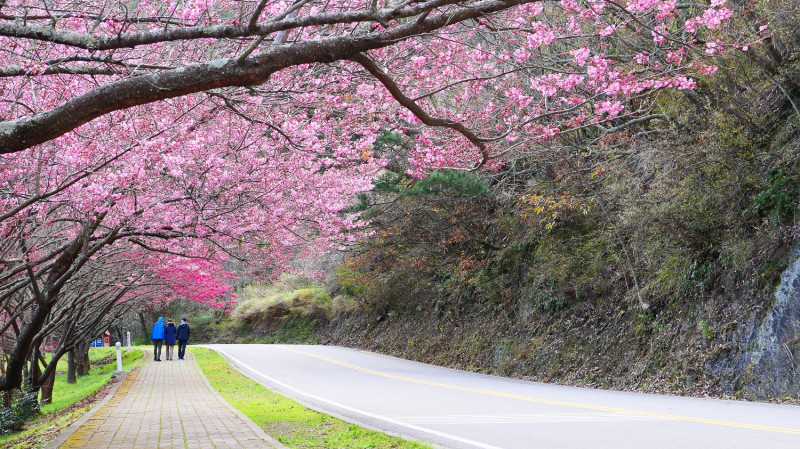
(550, 401)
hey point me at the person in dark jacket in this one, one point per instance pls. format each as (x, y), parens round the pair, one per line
(183, 337)
(169, 337)
(157, 337)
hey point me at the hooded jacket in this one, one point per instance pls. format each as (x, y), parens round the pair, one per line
(169, 333)
(183, 331)
(158, 330)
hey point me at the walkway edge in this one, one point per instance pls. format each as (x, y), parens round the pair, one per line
(63, 436)
(253, 426)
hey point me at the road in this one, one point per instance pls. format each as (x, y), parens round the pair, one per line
(462, 410)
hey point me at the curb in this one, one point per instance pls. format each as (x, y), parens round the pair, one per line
(253, 426)
(64, 436)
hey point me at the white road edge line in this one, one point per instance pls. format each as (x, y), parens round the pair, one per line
(359, 411)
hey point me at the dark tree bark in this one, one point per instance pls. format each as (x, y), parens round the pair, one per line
(38, 380)
(47, 388)
(83, 364)
(71, 367)
(25, 373)
(46, 296)
(34, 371)
(117, 332)
(8, 397)
(145, 331)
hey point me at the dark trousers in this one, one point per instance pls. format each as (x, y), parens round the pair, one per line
(157, 349)
(181, 348)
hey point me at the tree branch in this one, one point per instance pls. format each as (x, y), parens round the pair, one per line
(416, 109)
(89, 41)
(26, 132)
(631, 122)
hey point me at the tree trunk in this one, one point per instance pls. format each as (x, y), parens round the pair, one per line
(34, 372)
(71, 367)
(145, 332)
(83, 364)
(116, 331)
(46, 298)
(47, 388)
(16, 363)
(26, 374)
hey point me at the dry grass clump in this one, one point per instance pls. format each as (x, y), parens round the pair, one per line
(275, 303)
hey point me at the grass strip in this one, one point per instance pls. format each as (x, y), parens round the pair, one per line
(65, 394)
(286, 420)
(71, 401)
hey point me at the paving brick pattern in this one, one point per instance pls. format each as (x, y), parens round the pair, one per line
(167, 404)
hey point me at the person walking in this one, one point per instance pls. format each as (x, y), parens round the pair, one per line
(183, 337)
(170, 331)
(157, 337)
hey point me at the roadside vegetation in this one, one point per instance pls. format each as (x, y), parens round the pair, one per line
(638, 256)
(284, 419)
(70, 401)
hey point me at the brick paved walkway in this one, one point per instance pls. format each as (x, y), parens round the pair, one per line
(167, 404)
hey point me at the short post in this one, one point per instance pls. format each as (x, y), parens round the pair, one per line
(119, 356)
(129, 339)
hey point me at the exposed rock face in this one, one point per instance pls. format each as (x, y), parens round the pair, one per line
(772, 370)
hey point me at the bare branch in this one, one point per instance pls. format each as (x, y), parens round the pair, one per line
(418, 111)
(631, 122)
(256, 14)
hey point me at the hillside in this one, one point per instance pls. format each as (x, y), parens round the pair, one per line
(643, 256)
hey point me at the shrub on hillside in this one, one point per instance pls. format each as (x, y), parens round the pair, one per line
(275, 303)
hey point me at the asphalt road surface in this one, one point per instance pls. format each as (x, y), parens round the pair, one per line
(456, 409)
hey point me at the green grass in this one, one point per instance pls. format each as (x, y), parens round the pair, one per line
(67, 404)
(284, 419)
(95, 354)
(65, 394)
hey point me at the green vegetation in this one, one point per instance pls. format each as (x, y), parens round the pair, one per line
(629, 259)
(706, 330)
(286, 420)
(287, 311)
(71, 401)
(279, 301)
(24, 407)
(459, 182)
(36, 433)
(65, 395)
(291, 310)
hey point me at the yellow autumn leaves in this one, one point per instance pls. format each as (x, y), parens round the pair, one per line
(549, 207)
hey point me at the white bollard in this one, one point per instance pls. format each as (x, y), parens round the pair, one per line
(119, 356)
(129, 339)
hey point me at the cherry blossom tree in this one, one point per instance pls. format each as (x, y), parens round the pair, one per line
(177, 211)
(527, 69)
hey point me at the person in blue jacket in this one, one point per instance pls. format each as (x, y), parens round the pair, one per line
(183, 337)
(169, 337)
(157, 337)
